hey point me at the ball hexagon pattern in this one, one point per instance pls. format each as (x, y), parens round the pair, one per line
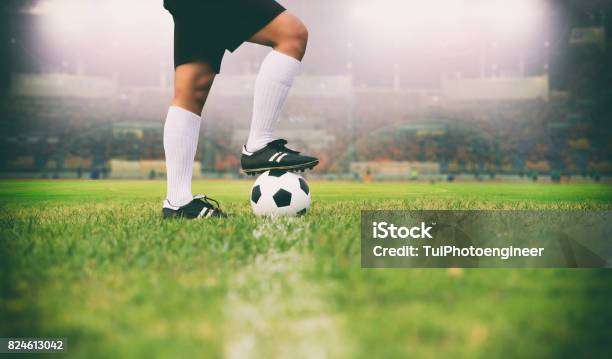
(280, 193)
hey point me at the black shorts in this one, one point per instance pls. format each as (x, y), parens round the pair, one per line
(204, 29)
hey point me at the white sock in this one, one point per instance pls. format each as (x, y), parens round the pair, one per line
(271, 88)
(181, 132)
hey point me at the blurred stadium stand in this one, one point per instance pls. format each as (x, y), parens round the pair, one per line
(50, 135)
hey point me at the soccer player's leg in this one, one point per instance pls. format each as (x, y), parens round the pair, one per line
(196, 64)
(181, 130)
(288, 37)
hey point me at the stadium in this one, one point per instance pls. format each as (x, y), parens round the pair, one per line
(408, 105)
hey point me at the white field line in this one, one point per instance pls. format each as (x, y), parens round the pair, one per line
(273, 311)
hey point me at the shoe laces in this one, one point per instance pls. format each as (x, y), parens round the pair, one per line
(215, 205)
(280, 145)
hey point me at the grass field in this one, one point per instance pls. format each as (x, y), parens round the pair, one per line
(93, 262)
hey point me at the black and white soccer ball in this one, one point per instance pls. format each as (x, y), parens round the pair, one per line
(280, 193)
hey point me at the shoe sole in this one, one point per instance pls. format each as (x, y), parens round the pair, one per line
(294, 168)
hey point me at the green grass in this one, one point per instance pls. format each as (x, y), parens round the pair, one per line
(93, 262)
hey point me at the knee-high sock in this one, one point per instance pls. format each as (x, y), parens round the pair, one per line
(181, 132)
(271, 88)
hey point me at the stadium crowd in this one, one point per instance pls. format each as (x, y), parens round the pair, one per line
(557, 137)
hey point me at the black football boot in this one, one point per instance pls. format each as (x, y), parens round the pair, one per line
(199, 207)
(275, 156)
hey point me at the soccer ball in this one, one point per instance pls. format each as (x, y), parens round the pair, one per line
(280, 193)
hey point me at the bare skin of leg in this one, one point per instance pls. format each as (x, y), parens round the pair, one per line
(192, 83)
(285, 34)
